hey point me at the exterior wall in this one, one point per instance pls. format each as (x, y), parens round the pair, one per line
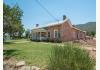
(69, 33)
(66, 32)
(78, 34)
(51, 29)
(82, 35)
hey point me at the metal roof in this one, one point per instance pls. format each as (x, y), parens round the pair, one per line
(39, 30)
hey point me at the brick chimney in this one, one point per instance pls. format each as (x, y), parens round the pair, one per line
(64, 17)
(37, 25)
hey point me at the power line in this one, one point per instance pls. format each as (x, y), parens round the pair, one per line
(47, 10)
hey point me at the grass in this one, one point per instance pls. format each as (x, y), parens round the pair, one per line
(38, 53)
(70, 57)
(17, 40)
(34, 53)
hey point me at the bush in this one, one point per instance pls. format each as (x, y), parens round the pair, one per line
(57, 40)
(70, 58)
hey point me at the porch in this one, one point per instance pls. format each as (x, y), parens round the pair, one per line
(39, 34)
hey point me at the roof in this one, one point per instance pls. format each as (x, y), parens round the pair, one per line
(78, 29)
(54, 24)
(73, 26)
(39, 30)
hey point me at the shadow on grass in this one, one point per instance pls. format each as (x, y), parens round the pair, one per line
(8, 43)
(9, 53)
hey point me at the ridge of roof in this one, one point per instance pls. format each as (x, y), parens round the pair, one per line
(56, 23)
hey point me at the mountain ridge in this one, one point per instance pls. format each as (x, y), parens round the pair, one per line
(89, 26)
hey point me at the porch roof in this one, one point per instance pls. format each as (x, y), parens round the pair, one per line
(39, 30)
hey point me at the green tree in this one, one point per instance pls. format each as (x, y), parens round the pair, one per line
(93, 34)
(21, 31)
(27, 33)
(6, 18)
(12, 20)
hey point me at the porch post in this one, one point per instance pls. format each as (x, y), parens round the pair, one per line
(36, 35)
(40, 35)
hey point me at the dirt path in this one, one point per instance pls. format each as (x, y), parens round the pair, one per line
(91, 50)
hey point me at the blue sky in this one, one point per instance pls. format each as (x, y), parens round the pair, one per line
(79, 11)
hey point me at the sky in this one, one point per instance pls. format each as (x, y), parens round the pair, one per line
(78, 11)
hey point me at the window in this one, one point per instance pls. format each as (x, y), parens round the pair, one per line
(48, 34)
(56, 34)
(43, 34)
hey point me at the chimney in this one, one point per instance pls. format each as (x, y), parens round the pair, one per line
(64, 17)
(37, 25)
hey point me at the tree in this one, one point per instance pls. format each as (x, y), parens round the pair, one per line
(12, 20)
(6, 18)
(27, 34)
(21, 31)
(88, 33)
(93, 33)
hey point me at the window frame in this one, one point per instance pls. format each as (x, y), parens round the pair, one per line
(56, 30)
(49, 34)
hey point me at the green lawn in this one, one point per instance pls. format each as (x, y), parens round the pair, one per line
(34, 53)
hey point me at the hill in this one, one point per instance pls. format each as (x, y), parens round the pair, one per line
(89, 26)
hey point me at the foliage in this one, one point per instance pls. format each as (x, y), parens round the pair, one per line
(70, 58)
(91, 33)
(27, 33)
(12, 20)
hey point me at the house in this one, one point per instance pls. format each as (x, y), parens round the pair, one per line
(61, 30)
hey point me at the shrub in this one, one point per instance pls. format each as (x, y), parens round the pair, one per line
(57, 40)
(70, 58)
